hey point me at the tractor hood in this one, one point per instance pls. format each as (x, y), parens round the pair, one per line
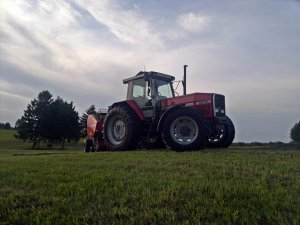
(210, 104)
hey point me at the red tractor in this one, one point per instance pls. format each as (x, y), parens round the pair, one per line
(153, 117)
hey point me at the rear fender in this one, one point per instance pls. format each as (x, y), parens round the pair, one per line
(165, 115)
(132, 105)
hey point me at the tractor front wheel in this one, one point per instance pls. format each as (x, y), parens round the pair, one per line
(222, 136)
(121, 129)
(184, 129)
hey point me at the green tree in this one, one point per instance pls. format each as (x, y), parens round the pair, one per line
(83, 119)
(43, 123)
(64, 122)
(295, 132)
(33, 125)
(25, 125)
(48, 121)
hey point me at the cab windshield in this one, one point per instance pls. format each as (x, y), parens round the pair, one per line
(164, 89)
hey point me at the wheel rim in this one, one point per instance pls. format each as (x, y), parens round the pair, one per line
(184, 130)
(217, 137)
(116, 130)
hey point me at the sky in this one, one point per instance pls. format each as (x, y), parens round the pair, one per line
(81, 50)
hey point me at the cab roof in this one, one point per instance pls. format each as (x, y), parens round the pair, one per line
(148, 75)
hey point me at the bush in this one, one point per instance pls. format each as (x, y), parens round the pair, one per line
(295, 132)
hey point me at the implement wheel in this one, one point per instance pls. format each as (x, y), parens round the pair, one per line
(88, 145)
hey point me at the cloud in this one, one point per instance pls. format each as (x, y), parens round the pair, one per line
(127, 25)
(193, 22)
(19, 97)
(81, 50)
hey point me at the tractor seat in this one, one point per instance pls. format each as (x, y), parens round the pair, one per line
(160, 97)
(140, 100)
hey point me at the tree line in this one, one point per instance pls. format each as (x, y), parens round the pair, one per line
(5, 126)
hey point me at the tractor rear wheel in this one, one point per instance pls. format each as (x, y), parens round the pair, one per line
(121, 129)
(185, 129)
(223, 136)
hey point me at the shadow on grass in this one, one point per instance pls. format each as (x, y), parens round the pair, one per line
(40, 154)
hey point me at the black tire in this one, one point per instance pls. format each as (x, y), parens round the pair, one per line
(224, 137)
(153, 143)
(88, 145)
(185, 129)
(121, 129)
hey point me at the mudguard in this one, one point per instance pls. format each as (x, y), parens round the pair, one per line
(132, 105)
(165, 114)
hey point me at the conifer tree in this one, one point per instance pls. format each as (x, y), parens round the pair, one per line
(295, 132)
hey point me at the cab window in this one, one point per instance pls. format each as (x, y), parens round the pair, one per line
(141, 91)
(164, 89)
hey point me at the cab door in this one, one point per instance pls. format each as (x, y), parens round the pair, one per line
(141, 94)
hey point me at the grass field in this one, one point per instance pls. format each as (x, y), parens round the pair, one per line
(7, 135)
(234, 186)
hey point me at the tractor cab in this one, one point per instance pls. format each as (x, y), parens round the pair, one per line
(149, 88)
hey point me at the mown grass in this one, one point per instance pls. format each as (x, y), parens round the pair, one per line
(9, 142)
(7, 135)
(235, 186)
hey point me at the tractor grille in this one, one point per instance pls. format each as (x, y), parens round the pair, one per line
(219, 105)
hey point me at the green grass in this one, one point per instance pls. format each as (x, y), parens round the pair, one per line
(9, 142)
(7, 135)
(234, 186)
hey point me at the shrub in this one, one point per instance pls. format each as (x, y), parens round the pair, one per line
(295, 132)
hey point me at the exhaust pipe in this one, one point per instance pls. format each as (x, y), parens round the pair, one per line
(184, 79)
